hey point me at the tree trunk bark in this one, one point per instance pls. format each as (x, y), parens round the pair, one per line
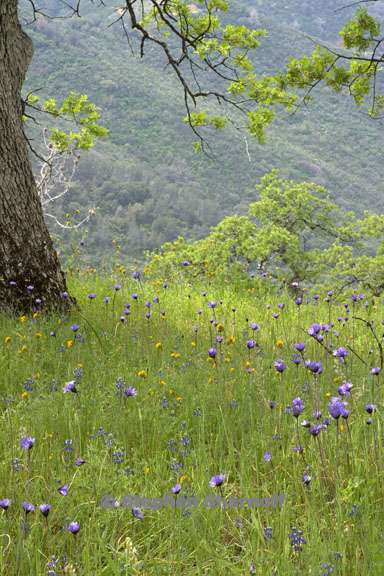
(27, 256)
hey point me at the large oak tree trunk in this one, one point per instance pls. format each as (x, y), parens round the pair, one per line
(27, 255)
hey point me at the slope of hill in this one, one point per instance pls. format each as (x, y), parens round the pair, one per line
(146, 180)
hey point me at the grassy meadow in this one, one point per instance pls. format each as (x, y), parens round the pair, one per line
(180, 391)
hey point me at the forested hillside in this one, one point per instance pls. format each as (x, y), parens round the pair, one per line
(146, 180)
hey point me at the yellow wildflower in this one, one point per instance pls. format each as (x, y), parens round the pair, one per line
(70, 343)
(7, 340)
(193, 344)
(280, 343)
(142, 373)
(220, 327)
(147, 470)
(24, 395)
(158, 345)
(39, 335)
(231, 340)
(23, 319)
(175, 354)
(162, 382)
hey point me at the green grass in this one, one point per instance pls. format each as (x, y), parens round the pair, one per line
(184, 426)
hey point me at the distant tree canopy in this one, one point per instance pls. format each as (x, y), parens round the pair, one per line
(209, 57)
(199, 45)
(294, 234)
(211, 60)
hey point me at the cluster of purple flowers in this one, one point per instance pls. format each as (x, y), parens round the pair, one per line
(337, 408)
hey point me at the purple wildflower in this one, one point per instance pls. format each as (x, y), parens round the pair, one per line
(297, 407)
(297, 539)
(314, 367)
(130, 391)
(314, 329)
(341, 353)
(345, 388)
(176, 489)
(306, 478)
(5, 503)
(70, 387)
(299, 346)
(63, 490)
(280, 366)
(370, 408)
(335, 407)
(217, 480)
(79, 461)
(73, 528)
(296, 359)
(28, 507)
(137, 513)
(45, 509)
(27, 442)
(315, 429)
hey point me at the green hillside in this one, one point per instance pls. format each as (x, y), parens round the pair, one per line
(147, 181)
